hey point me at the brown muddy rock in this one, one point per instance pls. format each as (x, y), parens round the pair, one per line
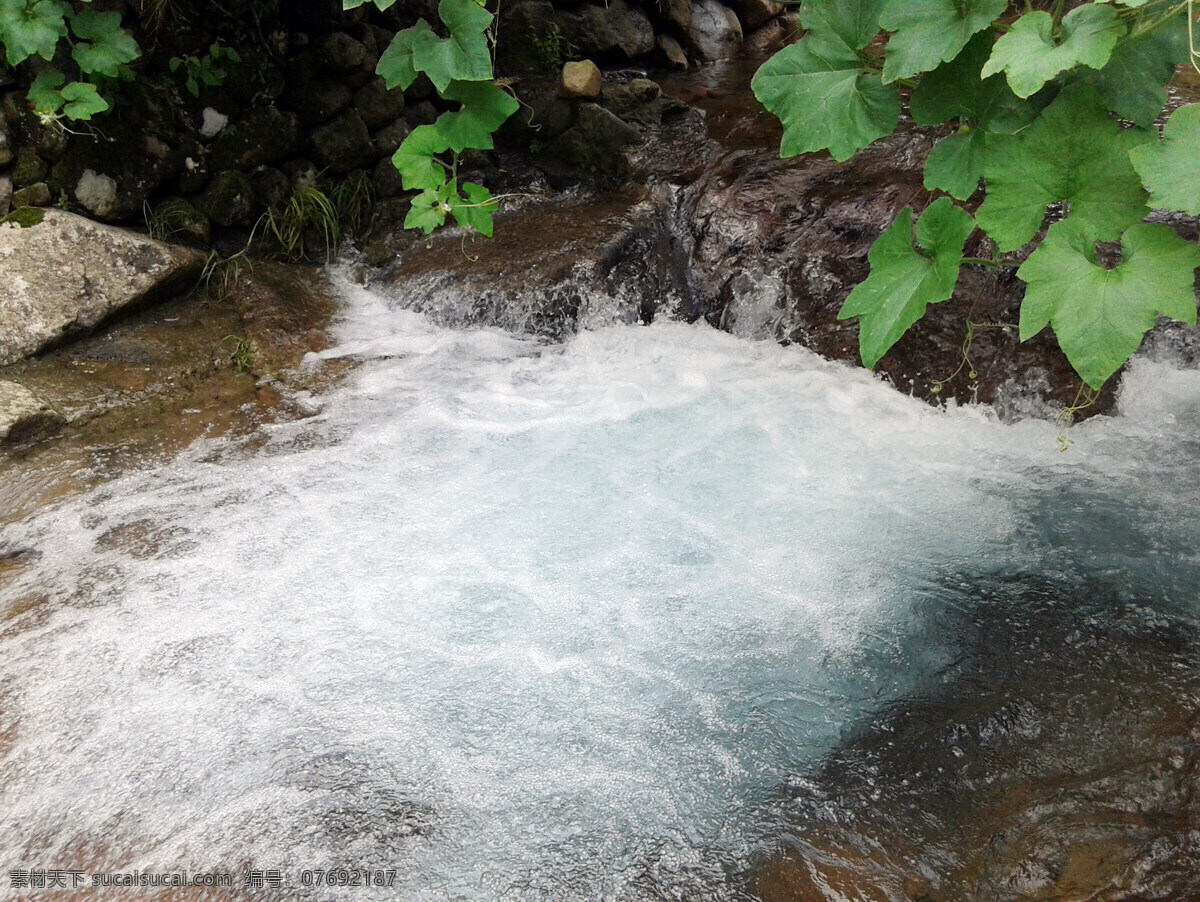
(1055, 758)
(284, 312)
(551, 269)
(67, 274)
(148, 384)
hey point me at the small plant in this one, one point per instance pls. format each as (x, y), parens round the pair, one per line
(353, 200)
(204, 70)
(552, 49)
(308, 212)
(460, 68)
(222, 274)
(100, 50)
(239, 354)
(172, 218)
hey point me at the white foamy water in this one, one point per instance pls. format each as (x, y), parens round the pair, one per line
(531, 621)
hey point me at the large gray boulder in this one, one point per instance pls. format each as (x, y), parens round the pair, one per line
(714, 32)
(66, 274)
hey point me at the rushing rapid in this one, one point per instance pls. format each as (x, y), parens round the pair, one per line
(510, 619)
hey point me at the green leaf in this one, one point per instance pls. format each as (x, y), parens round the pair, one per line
(1100, 315)
(1029, 57)
(904, 280)
(104, 45)
(956, 90)
(824, 99)
(426, 213)
(485, 107)
(1134, 83)
(44, 93)
(1074, 153)
(955, 164)
(414, 159)
(395, 65)
(851, 23)
(464, 56)
(929, 32)
(819, 87)
(31, 29)
(1170, 168)
(83, 100)
(476, 212)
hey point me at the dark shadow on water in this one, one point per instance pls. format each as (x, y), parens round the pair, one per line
(1055, 758)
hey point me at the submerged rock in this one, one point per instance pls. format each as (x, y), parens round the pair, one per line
(22, 415)
(67, 274)
(1053, 758)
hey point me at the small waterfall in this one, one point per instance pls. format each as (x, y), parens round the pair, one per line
(517, 619)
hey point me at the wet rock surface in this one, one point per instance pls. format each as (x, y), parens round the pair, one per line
(66, 274)
(22, 415)
(211, 362)
(1054, 758)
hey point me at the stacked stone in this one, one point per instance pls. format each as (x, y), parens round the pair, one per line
(313, 107)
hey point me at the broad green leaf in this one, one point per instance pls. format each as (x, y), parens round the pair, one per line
(1170, 168)
(83, 100)
(414, 159)
(1029, 56)
(355, 4)
(1100, 315)
(852, 23)
(904, 280)
(929, 32)
(955, 164)
(476, 211)
(395, 65)
(955, 90)
(427, 212)
(31, 29)
(104, 45)
(44, 93)
(1074, 153)
(1134, 83)
(824, 99)
(464, 56)
(485, 107)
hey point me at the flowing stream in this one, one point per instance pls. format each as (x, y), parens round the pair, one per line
(525, 620)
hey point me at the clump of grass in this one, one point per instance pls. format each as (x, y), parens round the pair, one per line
(353, 200)
(222, 274)
(308, 212)
(240, 357)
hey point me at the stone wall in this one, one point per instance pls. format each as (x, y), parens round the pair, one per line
(302, 106)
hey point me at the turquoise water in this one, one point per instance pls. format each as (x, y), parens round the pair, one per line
(519, 620)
